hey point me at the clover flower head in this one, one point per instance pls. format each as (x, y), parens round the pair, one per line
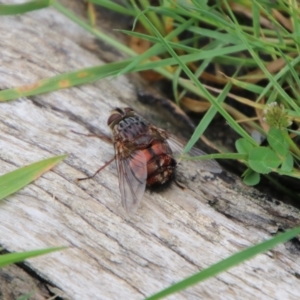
(276, 116)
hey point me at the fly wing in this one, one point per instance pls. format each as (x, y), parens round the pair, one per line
(208, 165)
(132, 173)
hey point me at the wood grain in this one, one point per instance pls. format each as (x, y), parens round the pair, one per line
(111, 255)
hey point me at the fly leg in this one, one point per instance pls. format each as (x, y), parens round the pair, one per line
(105, 165)
(102, 137)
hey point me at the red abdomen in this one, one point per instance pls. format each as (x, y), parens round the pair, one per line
(160, 163)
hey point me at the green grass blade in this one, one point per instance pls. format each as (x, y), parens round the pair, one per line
(14, 9)
(234, 156)
(15, 180)
(206, 120)
(214, 34)
(11, 258)
(235, 61)
(114, 7)
(256, 19)
(62, 81)
(175, 85)
(226, 264)
(88, 75)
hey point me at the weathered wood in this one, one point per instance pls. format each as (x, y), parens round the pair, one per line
(114, 256)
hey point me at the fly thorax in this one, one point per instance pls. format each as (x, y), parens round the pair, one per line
(132, 127)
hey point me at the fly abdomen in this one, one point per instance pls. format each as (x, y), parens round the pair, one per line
(160, 163)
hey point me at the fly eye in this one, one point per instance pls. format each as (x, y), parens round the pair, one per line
(128, 110)
(112, 118)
